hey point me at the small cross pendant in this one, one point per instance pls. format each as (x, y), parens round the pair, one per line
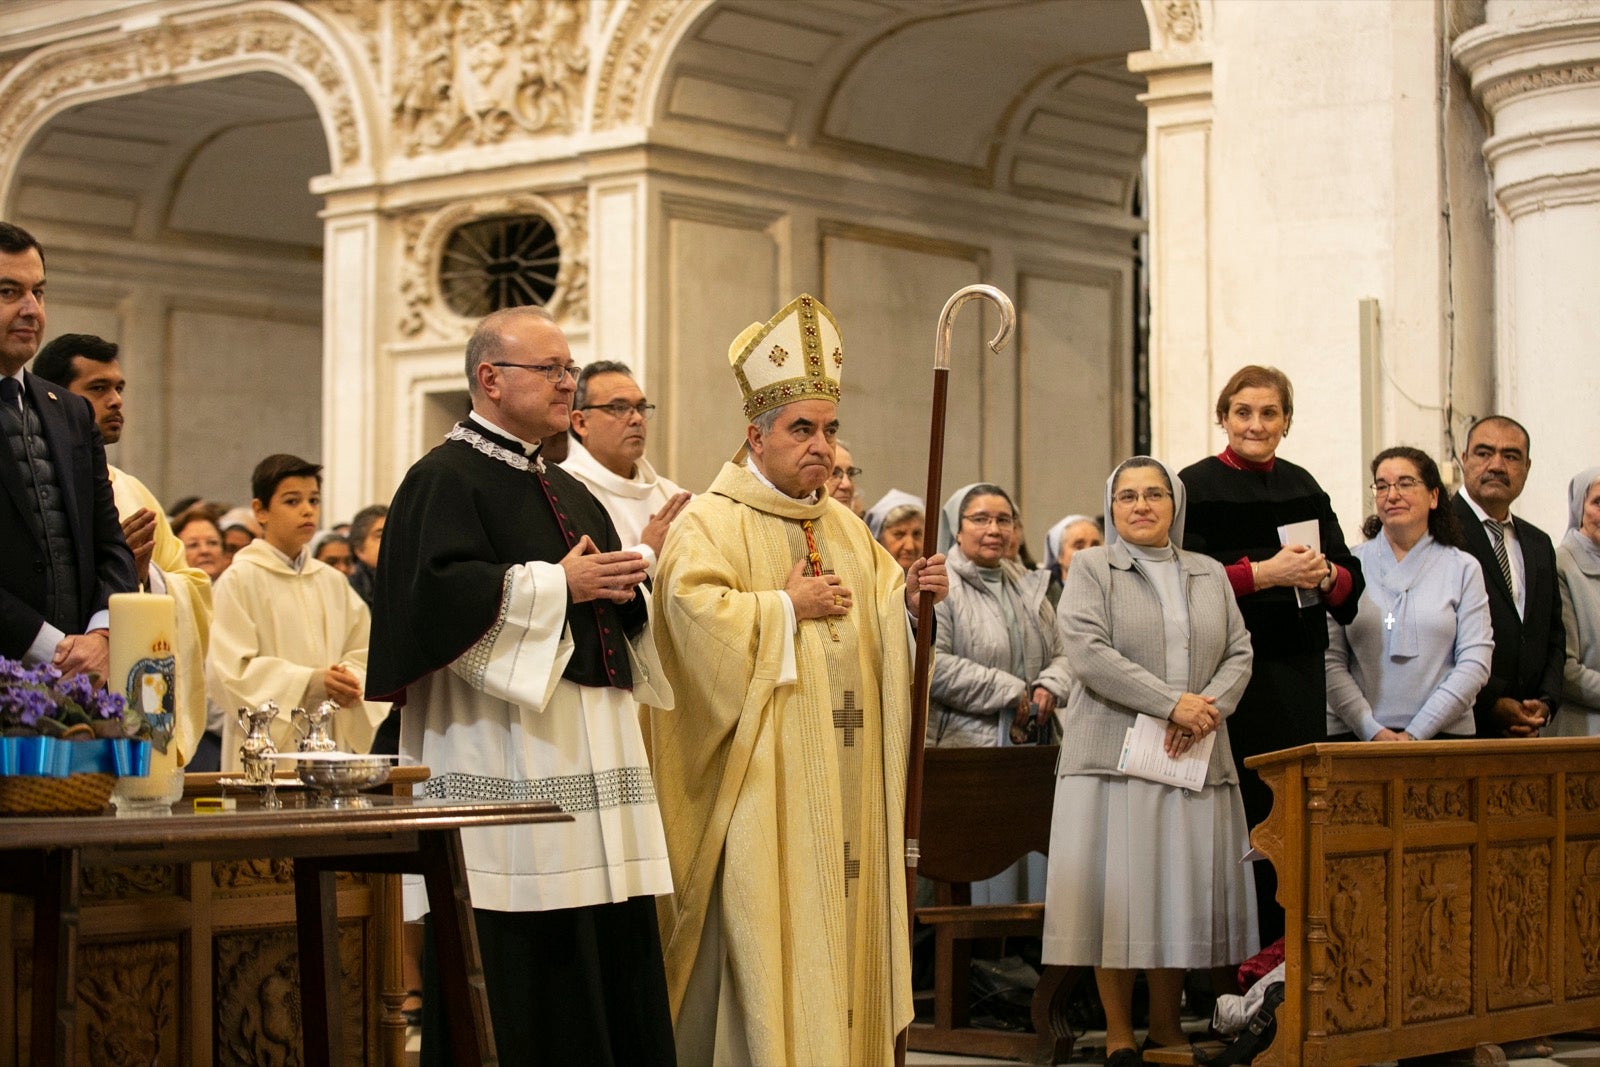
(1388, 621)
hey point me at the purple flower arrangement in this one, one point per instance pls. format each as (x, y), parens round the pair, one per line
(37, 701)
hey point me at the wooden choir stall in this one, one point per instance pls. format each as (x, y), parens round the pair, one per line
(1439, 895)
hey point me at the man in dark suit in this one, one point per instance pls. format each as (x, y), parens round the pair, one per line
(64, 554)
(1519, 569)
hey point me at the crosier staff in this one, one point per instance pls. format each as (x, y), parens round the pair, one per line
(930, 532)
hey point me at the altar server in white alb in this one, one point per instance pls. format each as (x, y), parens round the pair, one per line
(610, 418)
(288, 628)
(510, 626)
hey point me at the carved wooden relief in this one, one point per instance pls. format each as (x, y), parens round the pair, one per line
(1517, 798)
(1583, 792)
(120, 883)
(1517, 884)
(1356, 805)
(128, 1003)
(1582, 900)
(244, 877)
(257, 995)
(1436, 935)
(1438, 801)
(1357, 934)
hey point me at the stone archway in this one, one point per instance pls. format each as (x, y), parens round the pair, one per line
(200, 250)
(881, 155)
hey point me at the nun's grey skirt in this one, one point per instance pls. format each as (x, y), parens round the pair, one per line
(1145, 875)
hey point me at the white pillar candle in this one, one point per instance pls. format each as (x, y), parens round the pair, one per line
(143, 636)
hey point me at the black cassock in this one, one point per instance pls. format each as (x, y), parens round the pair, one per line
(575, 985)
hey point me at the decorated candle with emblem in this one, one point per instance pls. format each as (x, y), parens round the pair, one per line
(143, 636)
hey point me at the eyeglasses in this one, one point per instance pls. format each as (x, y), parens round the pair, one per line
(1129, 497)
(553, 372)
(619, 409)
(1405, 485)
(841, 472)
(1004, 522)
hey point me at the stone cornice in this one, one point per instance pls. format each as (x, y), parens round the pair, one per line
(1506, 61)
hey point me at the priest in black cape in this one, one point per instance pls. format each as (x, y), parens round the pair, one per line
(511, 629)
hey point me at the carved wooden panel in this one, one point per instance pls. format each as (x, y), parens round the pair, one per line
(1517, 798)
(1583, 792)
(245, 877)
(257, 982)
(1583, 919)
(122, 883)
(1357, 805)
(1438, 800)
(1436, 935)
(128, 1003)
(1357, 933)
(1517, 883)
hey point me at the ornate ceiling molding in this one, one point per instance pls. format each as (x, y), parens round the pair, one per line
(183, 52)
(480, 71)
(423, 311)
(637, 36)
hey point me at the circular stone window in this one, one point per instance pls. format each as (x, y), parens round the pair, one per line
(502, 262)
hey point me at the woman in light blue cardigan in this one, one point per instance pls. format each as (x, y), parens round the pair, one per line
(1411, 664)
(1145, 876)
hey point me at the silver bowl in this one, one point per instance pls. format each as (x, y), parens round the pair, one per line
(343, 777)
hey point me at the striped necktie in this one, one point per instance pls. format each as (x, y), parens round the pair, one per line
(1497, 534)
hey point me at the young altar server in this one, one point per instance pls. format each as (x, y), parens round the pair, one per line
(286, 627)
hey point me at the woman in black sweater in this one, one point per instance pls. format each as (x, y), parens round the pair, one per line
(1238, 500)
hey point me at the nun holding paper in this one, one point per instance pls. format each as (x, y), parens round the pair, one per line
(1411, 663)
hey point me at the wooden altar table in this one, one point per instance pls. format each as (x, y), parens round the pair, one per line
(42, 858)
(1439, 894)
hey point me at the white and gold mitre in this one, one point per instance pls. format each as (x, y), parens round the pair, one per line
(796, 355)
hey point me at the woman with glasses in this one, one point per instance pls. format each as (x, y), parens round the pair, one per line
(1143, 875)
(1578, 567)
(1410, 664)
(998, 668)
(1247, 508)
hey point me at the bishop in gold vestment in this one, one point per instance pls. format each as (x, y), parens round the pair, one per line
(781, 772)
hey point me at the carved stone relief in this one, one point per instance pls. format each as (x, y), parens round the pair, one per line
(257, 995)
(1180, 20)
(1533, 80)
(476, 71)
(1516, 798)
(1517, 886)
(168, 51)
(627, 54)
(1436, 935)
(127, 1003)
(423, 233)
(1357, 981)
(1438, 801)
(360, 17)
(1583, 792)
(1356, 804)
(116, 883)
(1583, 918)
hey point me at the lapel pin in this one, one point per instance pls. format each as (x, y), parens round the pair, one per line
(52, 396)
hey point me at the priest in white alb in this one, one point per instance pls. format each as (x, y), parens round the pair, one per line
(786, 634)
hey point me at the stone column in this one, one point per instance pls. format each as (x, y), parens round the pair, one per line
(1178, 173)
(353, 282)
(1535, 68)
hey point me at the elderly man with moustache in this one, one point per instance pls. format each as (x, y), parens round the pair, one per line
(510, 623)
(65, 553)
(610, 417)
(785, 631)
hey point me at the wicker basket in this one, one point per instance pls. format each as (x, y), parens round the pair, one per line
(77, 794)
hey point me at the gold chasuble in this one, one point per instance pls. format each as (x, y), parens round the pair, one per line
(781, 777)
